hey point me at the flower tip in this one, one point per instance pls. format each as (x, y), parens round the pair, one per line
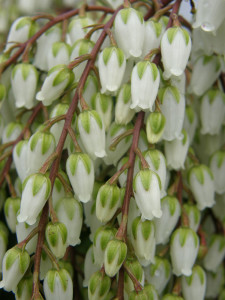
(157, 213)
(136, 53)
(100, 154)
(186, 272)
(39, 96)
(21, 218)
(83, 198)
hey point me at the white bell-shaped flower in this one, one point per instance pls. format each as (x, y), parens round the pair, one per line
(194, 286)
(212, 111)
(217, 166)
(206, 69)
(215, 282)
(111, 64)
(155, 126)
(175, 49)
(89, 266)
(11, 132)
(201, 182)
(136, 269)
(153, 31)
(210, 15)
(190, 122)
(92, 133)
(80, 170)
(56, 129)
(98, 286)
(22, 231)
(129, 31)
(91, 87)
(11, 208)
(24, 288)
(58, 190)
(144, 85)
(173, 109)
(176, 151)
(146, 187)
(193, 214)
(59, 53)
(20, 159)
(36, 190)
(77, 30)
(183, 251)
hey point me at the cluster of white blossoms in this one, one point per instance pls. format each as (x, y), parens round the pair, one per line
(112, 154)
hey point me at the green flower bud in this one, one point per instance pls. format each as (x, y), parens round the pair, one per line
(11, 208)
(98, 286)
(56, 236)
(136, 269)
(155, 127)
(24, 288)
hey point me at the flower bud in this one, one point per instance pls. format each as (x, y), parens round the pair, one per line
(175, 49)
(56, 129)
(123, 177)
(190, 122)
(215, 253)
(170, 214)
(15, 264)
(11, 207)
(136, 269)
(148, 292)
(193, 214)
(36, 190)
(183, 250)
(11, 132)
(215, 282)
(22, 231)
(91, 87)
(58, 190)
(70, 212)
(89, 266)
(146, 187)
(57, 80)
(101, 238)
(103, 104)
(217, 166)
(56, 236)
(111, 64)
(20, 159)
(24, 288)
(173, 108)
(59, 53)
(92, 133)
(45, 266)
(24, 80)
(155, 126)
(212, 111)
(158, 273)
(77, 28)
(129, 31)
(58, 285)
(200, 179)
(98, 286)
(3, 242)
(115, 254)
(107, 202)
(153, 31)
(80, 170)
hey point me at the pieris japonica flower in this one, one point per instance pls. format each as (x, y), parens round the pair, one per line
(56, 236)
(24, 80)
(89, 266)
(183, 250)
(215, 254)
(11, 132)
(155, 126)
(158, 273)
(210, 15)
(193, 214)
(98, 286)
(3, 242)
(80, 170)
(194, 286)
(91, 87)
(201, 182)
(129, 31)
(59, 53)
(164, 226)
(20, 159)
(217, 166)
(24, 288)
(215, 282)
(70, 212)
(58, 190)
(176, 151)
(36, 190)
(77, 30)
(212, 111)
(11, 207)
(114, 3)
(173, 108)
(144, 85)
(15, 264)
(44, 44)
(56, 129)
(148, 292)
(111, 64)
(190, 122)
(146, 187)
(153, 31)
(175, 49)
(101, 238)
(107, 202)
(57, 80)
(115, 254)
(58, 285)
(22, 231)
(143, 241)
(205, 71)
(136, 269)
(92, 133)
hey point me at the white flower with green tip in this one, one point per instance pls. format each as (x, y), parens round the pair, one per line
(215, 282)
(190, 122)
(15, 264)
(58, 190)
(92, 133)
(56, 129)
(145, 80)
(193, 214)
(153, 32)
(11, 132)
(147, 189)
(175, 50)
(24, 288)
(22, 231)
(59, 53)
(111, 65)
(76, 28)
(58, 285)
(155, 126)
(129, 31)
(183, 250)
(217, 166)
(11, 208)
(89, 266)
(20, 159)
(36, 190)
(98, 286)
(57, 80)
(136, 269)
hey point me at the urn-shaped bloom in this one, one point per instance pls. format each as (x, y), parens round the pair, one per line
(24, 288)
(11, 207)
(153, 31)
(111, 64)
(183, 250)
(98, 286)
(58, 285)
(137, 270)
(155, 126)
(217, 166)
(77, 28)
(20, 159)
(146, 187)
(59, 53)
(175, 49)
(22, 231)
(193, 214)
(36, 190)
(144, 85)
(129, 31)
